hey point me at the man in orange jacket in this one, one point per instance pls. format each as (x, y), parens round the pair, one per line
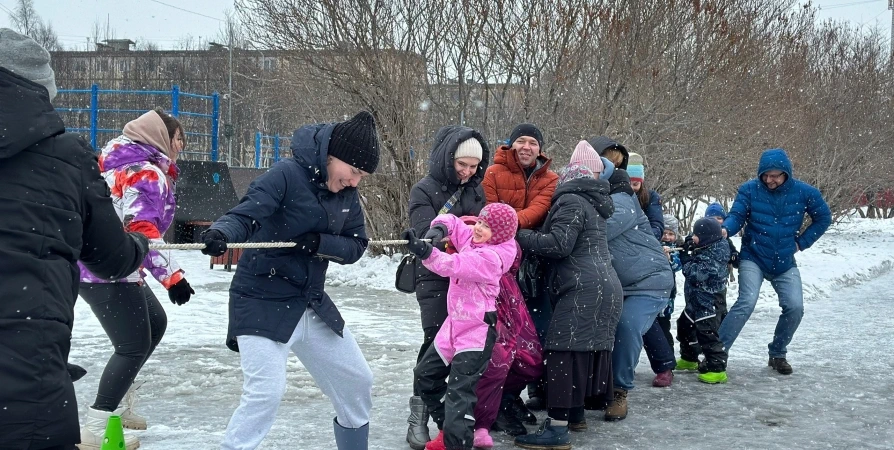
(520, 177)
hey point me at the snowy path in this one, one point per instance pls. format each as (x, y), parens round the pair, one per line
(840, 396)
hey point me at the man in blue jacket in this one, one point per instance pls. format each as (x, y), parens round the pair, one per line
(771, 209)
(277, 302)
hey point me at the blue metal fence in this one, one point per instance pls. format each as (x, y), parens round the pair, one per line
(175, 95)
(268, 149)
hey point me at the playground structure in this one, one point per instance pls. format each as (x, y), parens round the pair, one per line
(100, 114)
(205, 188)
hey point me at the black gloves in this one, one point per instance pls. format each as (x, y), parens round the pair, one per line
(215, 242)
(417, 247)
(436, 233)
(688, 245)
(180, 292)
(307, 243)
(734, 259)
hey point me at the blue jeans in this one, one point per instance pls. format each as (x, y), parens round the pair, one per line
(791, 299)
(637, 316)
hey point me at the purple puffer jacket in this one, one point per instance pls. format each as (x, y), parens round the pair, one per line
(517, 357)
(141, 179)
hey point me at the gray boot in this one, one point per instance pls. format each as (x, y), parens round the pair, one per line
(351, 438)
(417, 433)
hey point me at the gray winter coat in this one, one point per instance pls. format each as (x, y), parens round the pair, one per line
(637, 256)
(428, 196)
(582, 285)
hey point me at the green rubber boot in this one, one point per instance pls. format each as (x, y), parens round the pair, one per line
(683, 364)
(713, 377)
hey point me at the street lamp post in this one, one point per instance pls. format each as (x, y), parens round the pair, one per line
(230, 98)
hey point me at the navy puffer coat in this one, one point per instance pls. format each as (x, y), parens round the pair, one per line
(273, 287)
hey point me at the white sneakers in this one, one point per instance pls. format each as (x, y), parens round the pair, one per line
(95, 428)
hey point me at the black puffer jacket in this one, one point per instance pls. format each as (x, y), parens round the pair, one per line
(54, 210)
(428, 196)
(583, 287)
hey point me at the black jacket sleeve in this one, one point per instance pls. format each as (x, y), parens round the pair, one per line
(107, 251)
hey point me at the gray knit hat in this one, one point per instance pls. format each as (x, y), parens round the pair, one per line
(671, 223)
(26, 58)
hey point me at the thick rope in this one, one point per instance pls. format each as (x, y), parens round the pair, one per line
(262, 245)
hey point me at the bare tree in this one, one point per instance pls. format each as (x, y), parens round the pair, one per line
(700, 88)
(27, 21)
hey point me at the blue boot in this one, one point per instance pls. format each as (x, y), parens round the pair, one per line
(548, 437)
(351, 438)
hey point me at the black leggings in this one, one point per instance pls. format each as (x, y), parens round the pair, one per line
(135, 322)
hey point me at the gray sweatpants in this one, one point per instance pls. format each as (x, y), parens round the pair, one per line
(335, 363)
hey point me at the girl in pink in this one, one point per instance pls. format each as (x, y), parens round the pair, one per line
(450, 369)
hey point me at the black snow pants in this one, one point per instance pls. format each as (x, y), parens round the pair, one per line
(455, 384)
(697, 331)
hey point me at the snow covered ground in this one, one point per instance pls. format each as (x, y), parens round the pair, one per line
(840, 396)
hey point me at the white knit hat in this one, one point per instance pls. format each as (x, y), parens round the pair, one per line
(470, 148)
(26, 58)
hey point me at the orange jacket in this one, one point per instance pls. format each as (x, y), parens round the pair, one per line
(505, 182)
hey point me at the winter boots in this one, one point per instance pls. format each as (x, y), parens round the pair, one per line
(520, 409)
(780, 365)
(663, 379)
(350, 438)
(507, 418)
(483, 439)
(618, 409)
(536, 398)
(95, 428)
(437, 443)
(548, 437)
(130, 419)
(417, 432)
(683, 364)
(713, 377)
(577, 422)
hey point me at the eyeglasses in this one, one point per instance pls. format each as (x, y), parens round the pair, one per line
(778, 176)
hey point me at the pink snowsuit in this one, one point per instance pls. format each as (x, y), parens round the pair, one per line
(517, 357)
(474, 273)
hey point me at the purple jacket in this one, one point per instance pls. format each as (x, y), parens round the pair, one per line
(141, 179)
(474, 273)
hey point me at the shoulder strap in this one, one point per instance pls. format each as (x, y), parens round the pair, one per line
(451, 201)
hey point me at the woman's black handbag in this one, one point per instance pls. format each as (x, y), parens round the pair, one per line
(405, 281)
(530, 277)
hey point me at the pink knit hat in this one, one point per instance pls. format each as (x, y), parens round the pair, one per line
(586, 155)
(502, 220)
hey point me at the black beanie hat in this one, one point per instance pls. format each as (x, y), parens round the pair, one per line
(355, 142)
(526, 129)
(708, 231)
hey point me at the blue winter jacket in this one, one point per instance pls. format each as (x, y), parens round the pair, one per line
(655, 214)
(637, 256)
(772, 218)
(272, 287)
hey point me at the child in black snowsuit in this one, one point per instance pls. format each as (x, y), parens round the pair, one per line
(717, 212)
(705, 268)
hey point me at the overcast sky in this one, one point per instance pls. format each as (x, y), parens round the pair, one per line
(165, 22)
